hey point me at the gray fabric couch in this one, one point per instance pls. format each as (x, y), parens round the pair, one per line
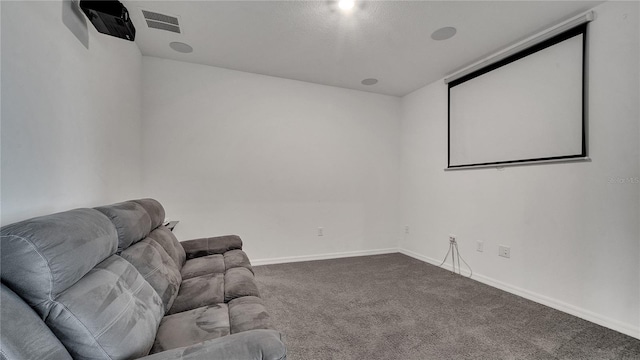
(113, 283)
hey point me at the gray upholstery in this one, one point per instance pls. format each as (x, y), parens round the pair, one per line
(248, 313)
(239, 282)
(111, 313)
(157, 267)
(100, 309)
(249, 345)
(191, 327)
(154, 209)
(210, 264)
(199, 291)
(45, 255)
(97, 304)
(163, 236)
(236, 258)
(217, 263)
(209, 246)
(131, 220)
(31, 339)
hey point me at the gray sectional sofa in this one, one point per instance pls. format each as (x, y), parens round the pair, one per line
(113, 283)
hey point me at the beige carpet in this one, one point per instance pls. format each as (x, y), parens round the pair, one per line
(395, 307)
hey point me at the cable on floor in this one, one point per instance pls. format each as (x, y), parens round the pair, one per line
(455, 253)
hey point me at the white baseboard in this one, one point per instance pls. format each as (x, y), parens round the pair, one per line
(627, 329)
(290, 259)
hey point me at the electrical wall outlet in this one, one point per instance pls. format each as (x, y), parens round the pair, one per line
(320, 231)
(480, 246)
(452, 238)
(504, 251)
(406, 229)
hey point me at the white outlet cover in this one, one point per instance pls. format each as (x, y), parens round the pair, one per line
(504, 251)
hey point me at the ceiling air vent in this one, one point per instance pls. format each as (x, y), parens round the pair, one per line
(161, 21)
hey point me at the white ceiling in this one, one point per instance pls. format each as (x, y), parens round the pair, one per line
(314, 41)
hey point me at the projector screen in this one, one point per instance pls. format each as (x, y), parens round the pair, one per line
(527, 107)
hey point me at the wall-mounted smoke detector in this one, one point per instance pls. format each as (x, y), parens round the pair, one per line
(161, 21)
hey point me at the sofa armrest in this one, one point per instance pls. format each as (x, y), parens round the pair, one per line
(209, 246)
(247, 345)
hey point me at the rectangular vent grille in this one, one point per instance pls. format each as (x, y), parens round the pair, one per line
(161, 21)
(163, 26)
(160, 17)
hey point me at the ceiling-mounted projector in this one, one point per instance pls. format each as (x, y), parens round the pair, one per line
(109, 17)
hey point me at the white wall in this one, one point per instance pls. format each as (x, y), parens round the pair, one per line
(271, 160)
(274, 159)
(70, 115)
(573, 229)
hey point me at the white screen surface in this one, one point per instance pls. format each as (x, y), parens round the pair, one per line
(528, 109)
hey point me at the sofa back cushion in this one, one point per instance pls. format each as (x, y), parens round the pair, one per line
(24, 335)
(163, 236)
(154, 209)
(96, 303)
(43, 256)
(131, 220)
(157, 267)
(111, 313)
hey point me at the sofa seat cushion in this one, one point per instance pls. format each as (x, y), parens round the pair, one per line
(211, 264)
(239, 282)
(191, 327)
(210, 322)
(236, 258)
(215, 264)
(157, 267)
(255, 344)
(199, 291)
(248, 313)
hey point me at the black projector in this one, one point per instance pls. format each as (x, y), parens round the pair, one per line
(109, 17)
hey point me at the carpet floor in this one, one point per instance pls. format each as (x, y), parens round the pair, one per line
(395, 307)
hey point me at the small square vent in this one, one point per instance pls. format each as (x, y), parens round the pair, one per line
(161, 21)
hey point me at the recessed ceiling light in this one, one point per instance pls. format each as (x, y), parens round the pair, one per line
(181, 47)
(346, 4)
(370, 81)
(444, 33)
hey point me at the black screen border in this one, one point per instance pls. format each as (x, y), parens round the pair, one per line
(575, 31)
